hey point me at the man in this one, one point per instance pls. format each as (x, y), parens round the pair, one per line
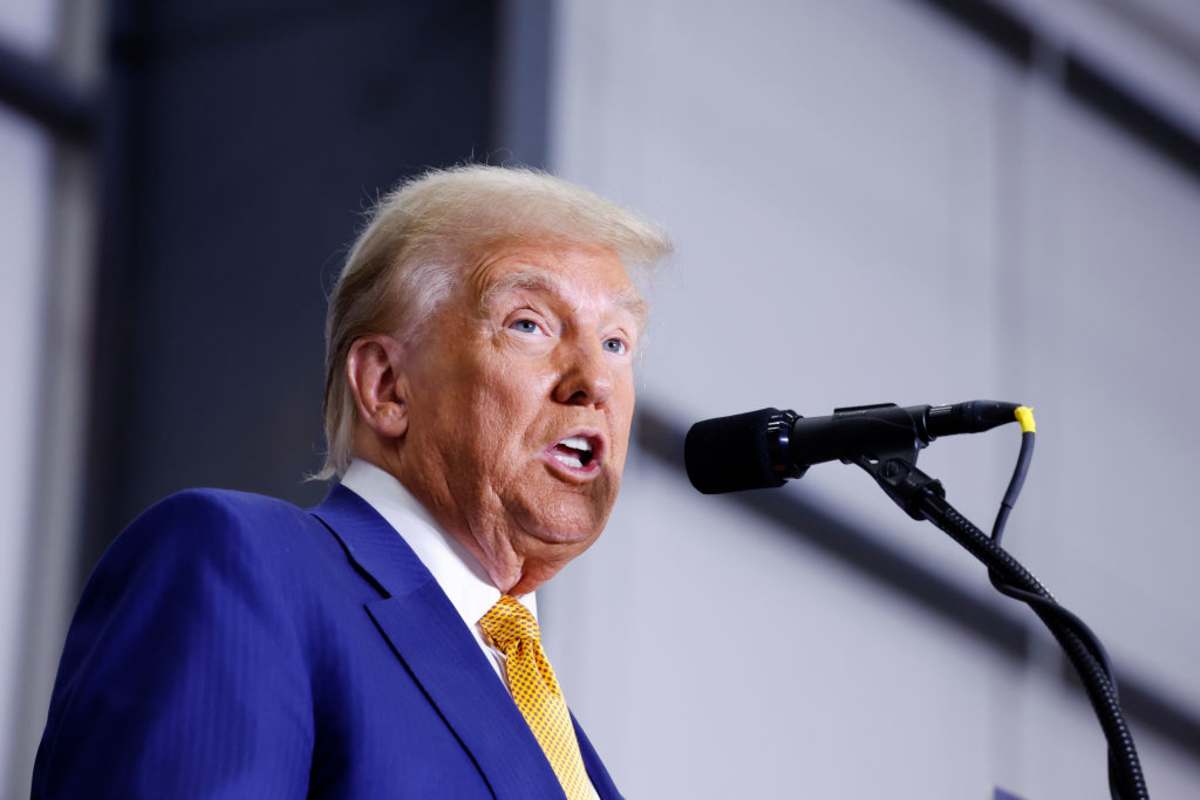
(479, 394)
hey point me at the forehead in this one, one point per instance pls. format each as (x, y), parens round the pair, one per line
(593, 278)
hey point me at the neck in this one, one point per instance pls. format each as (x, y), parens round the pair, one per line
(486, 539)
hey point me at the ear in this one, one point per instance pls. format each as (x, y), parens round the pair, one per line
(378, 384)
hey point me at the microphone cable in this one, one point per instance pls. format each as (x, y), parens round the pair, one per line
(1083, 648)
(1024, 416)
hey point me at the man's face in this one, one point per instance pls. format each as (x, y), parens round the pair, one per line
(520, 399)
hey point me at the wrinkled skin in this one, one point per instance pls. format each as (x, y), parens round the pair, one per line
(535, 342)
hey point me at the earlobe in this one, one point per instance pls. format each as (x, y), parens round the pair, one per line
(377, 383)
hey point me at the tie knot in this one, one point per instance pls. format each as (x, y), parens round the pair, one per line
(509, 622)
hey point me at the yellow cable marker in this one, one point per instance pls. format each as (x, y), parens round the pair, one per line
(1024, 416)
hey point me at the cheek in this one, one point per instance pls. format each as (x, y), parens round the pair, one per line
(505, 406)
(462, 420)
(622, 421)
(518, 387)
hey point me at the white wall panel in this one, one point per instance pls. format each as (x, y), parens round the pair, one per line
(28, 25)
(870, 206)
(1115, 284)
(24, 155)
(821, 205)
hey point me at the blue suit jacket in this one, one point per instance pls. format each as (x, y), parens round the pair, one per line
(234, 646)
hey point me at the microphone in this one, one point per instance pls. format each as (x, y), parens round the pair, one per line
(764, 448)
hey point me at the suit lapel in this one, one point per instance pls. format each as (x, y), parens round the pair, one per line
(429, 636)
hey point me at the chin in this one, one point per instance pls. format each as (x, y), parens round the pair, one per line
(554, 512)
(565, 523)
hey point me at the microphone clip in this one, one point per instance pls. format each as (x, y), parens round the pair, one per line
(900, 480)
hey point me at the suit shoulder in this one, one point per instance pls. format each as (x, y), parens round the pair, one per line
(185, 650)
(227, 502)
(197, 522)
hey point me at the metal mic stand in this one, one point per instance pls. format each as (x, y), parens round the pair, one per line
(924, 498)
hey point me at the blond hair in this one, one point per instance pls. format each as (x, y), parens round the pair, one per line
(418, 239)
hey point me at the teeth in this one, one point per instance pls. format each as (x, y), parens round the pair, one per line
(570, 461)
(576, 443)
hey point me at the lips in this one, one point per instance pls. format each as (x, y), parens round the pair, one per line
(578, 455)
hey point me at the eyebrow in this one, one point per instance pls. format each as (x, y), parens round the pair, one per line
(627, 299)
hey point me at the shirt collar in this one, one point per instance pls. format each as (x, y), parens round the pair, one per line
(454, 567)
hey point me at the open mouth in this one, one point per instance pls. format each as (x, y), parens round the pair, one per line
(579, 454)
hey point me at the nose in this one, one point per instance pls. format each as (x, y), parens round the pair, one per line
(585, 378)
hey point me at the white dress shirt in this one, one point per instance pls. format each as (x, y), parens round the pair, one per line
(455, 569)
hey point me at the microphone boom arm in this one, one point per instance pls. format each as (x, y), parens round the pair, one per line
(924, 498)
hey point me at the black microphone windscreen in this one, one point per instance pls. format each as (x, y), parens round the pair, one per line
(731, 454)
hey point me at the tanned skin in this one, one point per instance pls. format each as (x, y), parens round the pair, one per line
(534, 344)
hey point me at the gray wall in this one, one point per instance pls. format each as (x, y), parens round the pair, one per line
(23, 168)
(46, 198)
(223, 154)
(870, 206)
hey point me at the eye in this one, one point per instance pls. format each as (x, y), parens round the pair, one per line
(525, 325)
(616, 346)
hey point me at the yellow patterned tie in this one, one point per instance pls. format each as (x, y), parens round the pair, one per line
(531, 681)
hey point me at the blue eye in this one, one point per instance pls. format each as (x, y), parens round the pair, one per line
(525, 326)
(616, 346)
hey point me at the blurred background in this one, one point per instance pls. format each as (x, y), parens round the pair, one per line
(911, 201)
